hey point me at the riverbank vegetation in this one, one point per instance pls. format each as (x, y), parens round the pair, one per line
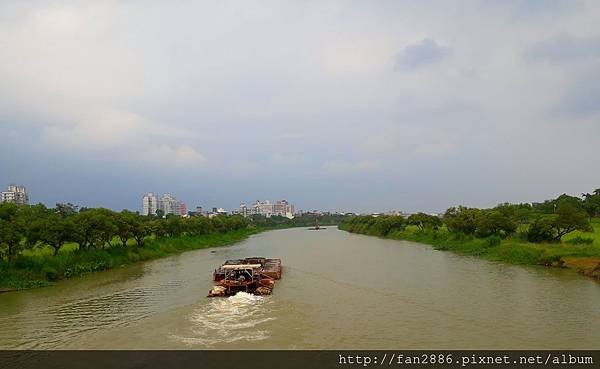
(301, 220)
(561, 232)
(40, 245)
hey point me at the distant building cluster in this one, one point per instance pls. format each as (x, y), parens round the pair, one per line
(16, 194)
(166, 204)
(152, 204)
(268, 209)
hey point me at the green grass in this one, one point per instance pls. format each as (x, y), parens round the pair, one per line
(40, 268)
(595, 235)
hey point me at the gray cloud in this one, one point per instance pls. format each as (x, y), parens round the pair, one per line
(529, 8)
(227, 102)
(564, 48)
(582, 97)
(421, 54)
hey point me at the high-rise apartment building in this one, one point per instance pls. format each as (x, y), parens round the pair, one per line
(16, 194)
(168, 204)
(267, 209)
(283, 208)
(150, 204)
(182, 209)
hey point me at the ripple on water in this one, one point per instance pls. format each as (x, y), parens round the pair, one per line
(224, 320)
(52, 327)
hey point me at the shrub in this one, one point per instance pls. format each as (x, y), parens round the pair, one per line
(580, 241)
(541, 230)
(50, 273)
(551, 260)
(494, 241)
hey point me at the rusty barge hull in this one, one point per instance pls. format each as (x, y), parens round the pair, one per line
(269, 267)
(253, 275)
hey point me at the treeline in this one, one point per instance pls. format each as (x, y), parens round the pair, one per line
(548, 221)
(303, 220)
(35, 227)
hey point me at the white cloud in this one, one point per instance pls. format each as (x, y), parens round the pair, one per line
(129, 135)
(167, 156)
(57, 19)
(99, 132)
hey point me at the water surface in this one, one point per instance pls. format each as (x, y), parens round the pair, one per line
(338, 290)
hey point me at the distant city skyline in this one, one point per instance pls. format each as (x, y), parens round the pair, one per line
(170, 204)
(349, 106)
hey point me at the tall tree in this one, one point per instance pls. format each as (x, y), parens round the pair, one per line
(125, 223)
(12, 229)
(422, 221)
(56, 231)
(569, 219)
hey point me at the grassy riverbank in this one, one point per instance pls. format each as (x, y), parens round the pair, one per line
(42, 268)
(583, 257)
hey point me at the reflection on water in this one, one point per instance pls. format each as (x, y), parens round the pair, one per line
(338, 291)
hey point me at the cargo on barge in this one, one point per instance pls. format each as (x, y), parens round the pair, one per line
(255, 275)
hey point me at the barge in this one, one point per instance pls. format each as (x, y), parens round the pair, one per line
(255, 275)
(317, 227)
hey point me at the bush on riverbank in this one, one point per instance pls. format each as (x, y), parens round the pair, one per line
(560, 228)
(302, 220)
(39, 245)
(39, 270)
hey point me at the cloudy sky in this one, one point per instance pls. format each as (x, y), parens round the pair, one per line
(339, 105)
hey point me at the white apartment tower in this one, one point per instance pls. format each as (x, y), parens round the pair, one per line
(268, 209)
(149, 204)
(168, 204)
(16, 194)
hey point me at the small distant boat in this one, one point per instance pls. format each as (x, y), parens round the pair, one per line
(255, 275)
(316, 227)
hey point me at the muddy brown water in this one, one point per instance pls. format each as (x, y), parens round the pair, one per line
(338, 290)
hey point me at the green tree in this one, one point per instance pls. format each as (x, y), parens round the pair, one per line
(106, 227)
(140, 230)
(66, 210)
(157, 227)
(541, 229)
(55, 231)
(521, 214)
(494, 223)
(84, 231)
(569, 218)
(94, 228)
(552, 227)
(30, 216)
(173, 226)
(199, 226)
(591, 203)
(461, 219)
(12, 229)
(422, 221)
(125, 223)
(397, 222)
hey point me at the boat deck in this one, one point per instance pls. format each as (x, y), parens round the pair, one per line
(269, 267)
(255, 275)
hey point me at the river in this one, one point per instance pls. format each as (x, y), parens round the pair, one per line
(338, 291)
